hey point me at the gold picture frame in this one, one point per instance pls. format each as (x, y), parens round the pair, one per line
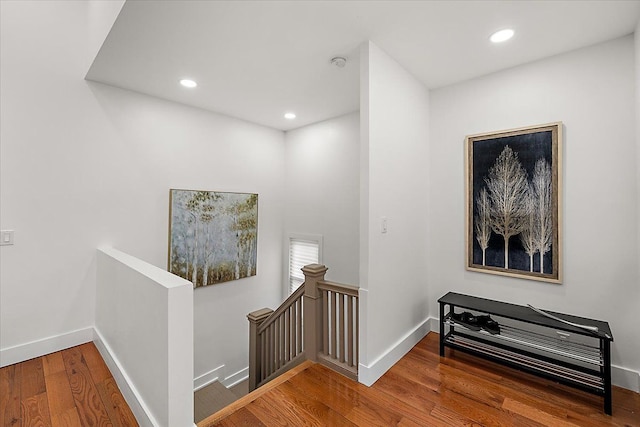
(513, 202)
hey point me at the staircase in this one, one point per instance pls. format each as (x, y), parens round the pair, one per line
(215, 396)
(318, 322)
(210, 399)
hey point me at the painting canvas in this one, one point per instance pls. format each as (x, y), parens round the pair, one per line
(513, 202)
(213, 236)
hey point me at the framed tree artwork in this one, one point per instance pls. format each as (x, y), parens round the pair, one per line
(213, 236)
(513, 200)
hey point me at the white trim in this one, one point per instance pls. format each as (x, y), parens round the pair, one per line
(368, 375)
(142, 413)
(159, 276)
(37, 348)
(435, 324)
(625, 378)
(207, 378)
(236, 378)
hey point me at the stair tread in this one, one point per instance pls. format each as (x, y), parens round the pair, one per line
(210, 399)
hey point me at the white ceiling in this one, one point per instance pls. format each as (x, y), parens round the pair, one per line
(255, 60)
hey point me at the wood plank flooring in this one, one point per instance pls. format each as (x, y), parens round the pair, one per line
(69, 388)
(425, 390)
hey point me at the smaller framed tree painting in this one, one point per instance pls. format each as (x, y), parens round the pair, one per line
(213, 236)
(513, 200)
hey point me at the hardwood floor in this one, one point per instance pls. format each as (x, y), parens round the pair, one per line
(425, 390)
(68, 388)
(75, 388)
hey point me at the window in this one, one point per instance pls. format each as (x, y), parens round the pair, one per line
(303, 250)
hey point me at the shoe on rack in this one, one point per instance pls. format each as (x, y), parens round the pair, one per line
(488, 324)
(467, 320)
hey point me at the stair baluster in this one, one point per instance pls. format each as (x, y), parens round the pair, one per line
(318, 322)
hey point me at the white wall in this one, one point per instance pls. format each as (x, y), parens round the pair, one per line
(102, 14)
(591, 91)
(144, 330)
(394, 143)
(322, 191)
(85, 165)
(637, 118)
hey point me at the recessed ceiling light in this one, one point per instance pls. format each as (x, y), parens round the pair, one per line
(502, 35)
(188, 83)
(289, 116)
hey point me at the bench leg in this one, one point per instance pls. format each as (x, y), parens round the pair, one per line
(607, 376)
(441, 330)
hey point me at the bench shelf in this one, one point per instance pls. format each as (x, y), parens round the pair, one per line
(532, 342)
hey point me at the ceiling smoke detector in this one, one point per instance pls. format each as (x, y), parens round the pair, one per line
(339, 61)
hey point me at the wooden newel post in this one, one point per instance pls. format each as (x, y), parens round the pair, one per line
(255, 352)
(313, 273)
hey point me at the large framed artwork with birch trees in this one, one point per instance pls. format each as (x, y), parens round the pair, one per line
(213, 236)
(513, 202)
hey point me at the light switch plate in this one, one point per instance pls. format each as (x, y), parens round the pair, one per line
(6, 237)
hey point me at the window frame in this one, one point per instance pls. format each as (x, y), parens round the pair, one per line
(314, 238)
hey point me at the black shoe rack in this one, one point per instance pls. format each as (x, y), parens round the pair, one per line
(532, 342)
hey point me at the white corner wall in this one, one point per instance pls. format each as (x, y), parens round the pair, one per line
(102, 15)
(144, 330)
(394, 184)
(637, 119)
(592, 91)
(322, 191)
(84, 165)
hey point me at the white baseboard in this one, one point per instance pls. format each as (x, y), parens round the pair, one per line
(30, 350)
(625, 378)
(236, 378)
(217, 373)
(129, 392)
(207, 378)
(368, 375)
(434, 324)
